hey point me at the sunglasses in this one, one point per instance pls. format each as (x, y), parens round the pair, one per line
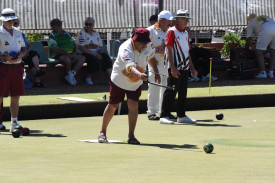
(10, 20)
(143, 43)
(15, 23)
(89, 24)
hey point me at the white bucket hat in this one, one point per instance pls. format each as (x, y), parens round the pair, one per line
(183, 13)
(165, 14)
(8, 14)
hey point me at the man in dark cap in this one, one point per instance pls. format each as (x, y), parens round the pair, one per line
(62, 47)
(126, 79)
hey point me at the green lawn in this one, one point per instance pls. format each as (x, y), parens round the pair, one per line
(192, 92)
(243, 142)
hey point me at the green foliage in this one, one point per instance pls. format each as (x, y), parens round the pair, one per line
(34, 37)
(231, 40)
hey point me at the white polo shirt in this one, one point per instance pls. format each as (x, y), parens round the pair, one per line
(254, 27)
(85, 39)
(10, 43)
(129, 56)
(158, 38)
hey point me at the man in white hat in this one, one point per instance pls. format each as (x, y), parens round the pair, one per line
(12, 49)
(179, 63)
(263, 27)
(158, 33)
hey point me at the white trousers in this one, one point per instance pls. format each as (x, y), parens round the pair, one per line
(155, 93)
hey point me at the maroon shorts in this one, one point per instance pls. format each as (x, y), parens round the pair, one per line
(117, 94)
(11, 79)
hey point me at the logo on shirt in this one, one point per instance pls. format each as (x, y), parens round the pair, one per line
(7, 43)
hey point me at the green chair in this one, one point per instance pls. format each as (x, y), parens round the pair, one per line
(44, 59)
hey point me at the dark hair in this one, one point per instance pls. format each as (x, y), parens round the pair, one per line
(153, 18)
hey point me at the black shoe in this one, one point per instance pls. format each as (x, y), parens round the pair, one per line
(153, 117)
(39, 73)
(39, 85)
(172, 117)
(133, 141)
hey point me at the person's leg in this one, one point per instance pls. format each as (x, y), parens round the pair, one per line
(14, 106)
(107, 116)
(153, 96)
(66, 61)
(169, 96)
(35, 61)
(260, 59)
(79, 64)
(182, 94)
(272, 60)
(1, 110)
(132, 117)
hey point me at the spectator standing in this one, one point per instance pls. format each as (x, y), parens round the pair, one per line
(62, 47)
(91, 46)
(179, 63)
(12, 49)
(32, 59)
(127, 78)
(158, 33)
(264, 27)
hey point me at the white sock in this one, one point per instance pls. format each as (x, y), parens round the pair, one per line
(13, 120)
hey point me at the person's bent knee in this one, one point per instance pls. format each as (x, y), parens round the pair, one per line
(132, 104)
(65, 59)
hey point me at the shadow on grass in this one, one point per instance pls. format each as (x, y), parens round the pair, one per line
(38, 133)
(171, 146)
(215, 125)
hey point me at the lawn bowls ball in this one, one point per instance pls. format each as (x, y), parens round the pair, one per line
(208, 147)
(13, 54)
(219, 116)
(25, 131)
(16, 133)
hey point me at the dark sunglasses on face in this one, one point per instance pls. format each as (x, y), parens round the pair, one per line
(10, 20)
(144, 43)
(89, 24)
(15, 23)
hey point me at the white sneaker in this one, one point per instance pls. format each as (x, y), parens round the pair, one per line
(166, 120)
(206, 78)
(2, 127)
(186, 119)
(270, 74)
(14, 124)
(196, 78)
(70, 79)
(261, 75)
(89, 81)
(190, 79)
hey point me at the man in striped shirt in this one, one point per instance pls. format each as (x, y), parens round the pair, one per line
(179, 63)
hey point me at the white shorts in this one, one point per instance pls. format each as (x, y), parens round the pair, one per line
(266, 37)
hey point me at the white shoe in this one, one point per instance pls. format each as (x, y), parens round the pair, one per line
(14, 124)
(190, 79)
(89, 81)
(196, 78)
(261, 75)
(2, 127)
(270, 75)
(70, 79)
(206, 78)
(166, 120)
(186, 119)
